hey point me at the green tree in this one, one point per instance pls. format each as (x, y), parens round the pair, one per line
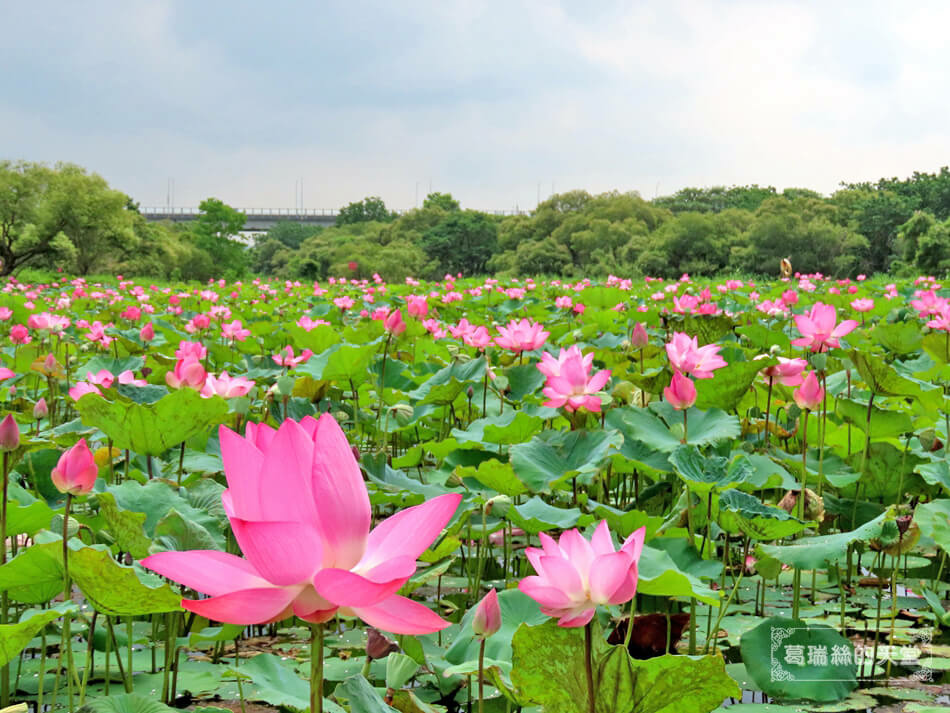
(216, 232)
(291, 233)
(462, 242)
(442, 201)
(60, 216)
(369, 209)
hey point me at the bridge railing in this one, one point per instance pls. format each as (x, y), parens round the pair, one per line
(172, 211)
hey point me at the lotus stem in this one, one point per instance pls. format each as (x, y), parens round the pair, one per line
(316, 668)
(481, 677)
(66, 647)
(589, 666)
(4, 599)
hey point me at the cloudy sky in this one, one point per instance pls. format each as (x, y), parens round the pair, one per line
(491, 101)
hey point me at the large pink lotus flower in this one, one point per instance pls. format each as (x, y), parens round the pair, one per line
(818, 328)
(575, 576)
(569, 382)
(188, 372)
(521, 336)
(301, 515)
(687, 357)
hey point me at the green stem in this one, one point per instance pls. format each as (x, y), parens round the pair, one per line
(864, 459)
(382, 388)
(481, 677)
(797, 580)
(66, 647)
(768, 409)
(724, 608)
(589, 667)
(4, 599)
(483, 553)
(316, 668)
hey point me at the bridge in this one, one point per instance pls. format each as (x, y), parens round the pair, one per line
(262, 219)
(258, 219)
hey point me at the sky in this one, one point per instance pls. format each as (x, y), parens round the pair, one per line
(317, 104)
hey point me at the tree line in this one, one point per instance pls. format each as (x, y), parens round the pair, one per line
(65, 217)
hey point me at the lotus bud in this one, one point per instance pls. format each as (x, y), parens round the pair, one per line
(809, 395)
(76, 471)
(40, 410)
(681, 393)
(487, 619)
(639, 337)
(9, 434)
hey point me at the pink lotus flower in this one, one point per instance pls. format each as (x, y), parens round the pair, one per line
(344, 303)
(5, 313)
(285, 357)
(688, 357)
(189, 372)
(575, 576)
(862, 305)
(195, 349)
(479, 337)
(818, 328)
(417, 305)
(20, 334)
(235, 331)
(301, 515)
(307, 323)
(127, 378)
(941, 319)
(6, 373)
(787, 371)
(226, 386)
(810, 394)
(82, 388)
(487, 619)
(76, 470)
(681, 393)
(147, 333)
(521, 336)
(569, 383)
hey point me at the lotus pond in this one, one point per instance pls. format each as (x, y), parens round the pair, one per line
(457, 496)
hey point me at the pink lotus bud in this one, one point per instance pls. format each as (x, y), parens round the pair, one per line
(9, 434)
(76, 471)
(810, 394)
(40, 410)
(147, 333)
(394, 323)
(639, 337)
(487, 619)
(681, 393)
